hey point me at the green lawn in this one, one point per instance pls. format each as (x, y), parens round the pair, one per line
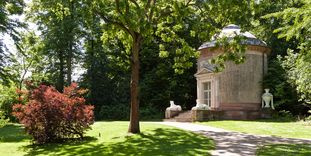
(265, 127)
(285, 149)
(110, 138)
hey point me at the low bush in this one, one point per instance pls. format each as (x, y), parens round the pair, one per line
(307, 120)
(149, 113)
(51, 116)
(3, 120)
(8, 97)
(114, 112)
(284, 116)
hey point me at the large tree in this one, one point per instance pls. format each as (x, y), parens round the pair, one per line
(136, 22)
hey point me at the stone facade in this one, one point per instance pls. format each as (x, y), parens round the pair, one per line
(236, 91)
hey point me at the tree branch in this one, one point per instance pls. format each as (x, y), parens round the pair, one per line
(163, 14)
(118, 7)
(118, 24)
(147, 5)
(24, 74)
(127, 8)
(151, 9)
(188, 3)
(135, 3)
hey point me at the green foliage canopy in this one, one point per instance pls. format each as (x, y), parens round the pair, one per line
(136, 22)
(8, 26)
(296, 23)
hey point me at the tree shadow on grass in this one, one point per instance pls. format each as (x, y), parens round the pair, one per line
(155, 142)
(263, 120)
(13, 133)
(277, 120)
(246, 144)
(281, 149)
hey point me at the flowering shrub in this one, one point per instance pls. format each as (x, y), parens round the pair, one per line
(50, 116)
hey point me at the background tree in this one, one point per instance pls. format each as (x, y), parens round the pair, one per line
(24, 62)
(58, 22)
(285, 29)
(8, 25)
(28, 57)
(295, 24)
(107, 73)
(285, 96)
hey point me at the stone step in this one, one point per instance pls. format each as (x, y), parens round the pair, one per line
(236, 108)
(240, 106)
(169, 120)
(186, 114)
(178, 120)
(183, 120)
(181, 117)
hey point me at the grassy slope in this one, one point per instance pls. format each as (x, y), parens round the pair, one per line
(265, 127)
(285, 149)
(110, 138)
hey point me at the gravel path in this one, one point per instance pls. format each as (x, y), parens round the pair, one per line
(230, 143)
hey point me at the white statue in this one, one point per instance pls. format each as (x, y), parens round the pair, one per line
(173, 107)
(200, 106)
(267, 98)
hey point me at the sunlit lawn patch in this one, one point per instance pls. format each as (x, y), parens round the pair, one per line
(110, 138)
(265, 127)
(285, 149)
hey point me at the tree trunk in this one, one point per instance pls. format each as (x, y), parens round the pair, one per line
(69, 63)
(134, 115)
(70, 46)
(60, 83)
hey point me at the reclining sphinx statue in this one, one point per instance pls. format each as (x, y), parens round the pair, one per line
(172, 110)
(200, 106)
(173, 107)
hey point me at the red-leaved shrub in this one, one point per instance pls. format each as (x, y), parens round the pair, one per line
(51, 116)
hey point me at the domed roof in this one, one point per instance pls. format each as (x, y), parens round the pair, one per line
(230, 31)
